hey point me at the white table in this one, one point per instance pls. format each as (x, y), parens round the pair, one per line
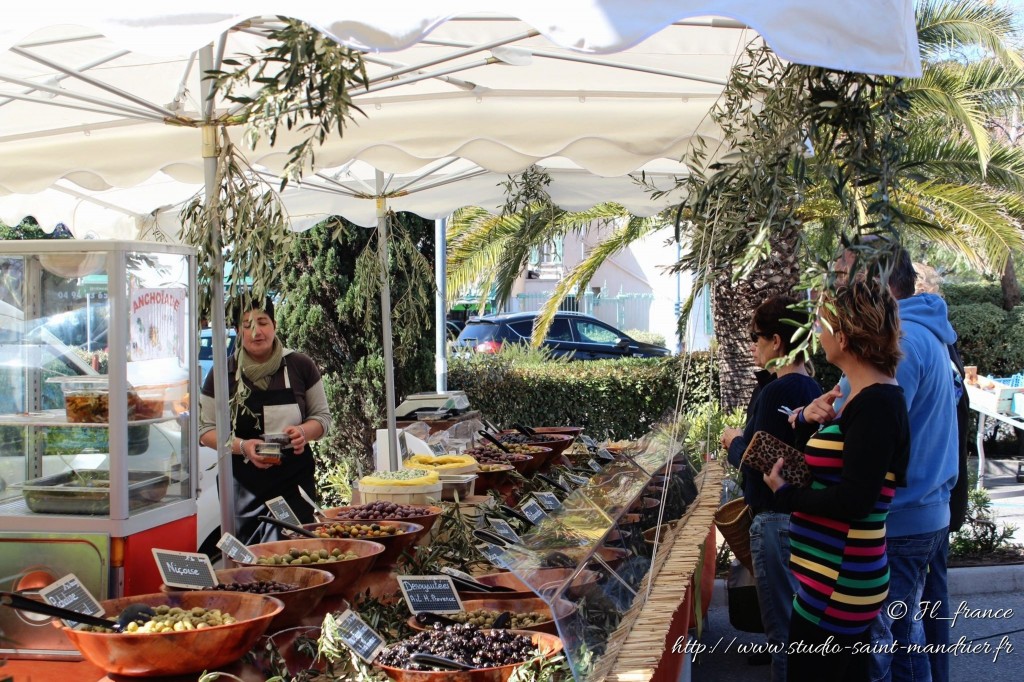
(984, 413)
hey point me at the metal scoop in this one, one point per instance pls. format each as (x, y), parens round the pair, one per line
(133, 613)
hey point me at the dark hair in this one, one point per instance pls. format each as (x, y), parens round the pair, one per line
(868, 316)
(775, 316)
(239, 307)
(886, 257)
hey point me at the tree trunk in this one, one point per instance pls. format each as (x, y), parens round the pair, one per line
(733, 304)
(1010, 286)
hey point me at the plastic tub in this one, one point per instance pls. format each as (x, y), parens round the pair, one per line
(462, 485)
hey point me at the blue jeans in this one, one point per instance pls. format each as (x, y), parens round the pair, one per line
(769, 550)
(917, 580)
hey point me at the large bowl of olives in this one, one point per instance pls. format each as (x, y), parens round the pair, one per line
(347, 560)
(424, 515)
(396, 536)
(527, 614)
(299, 588)
(221, 627)
(497, 653)
(544, 579)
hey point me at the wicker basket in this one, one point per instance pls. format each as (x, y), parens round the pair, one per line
(733, 522)
(401, 494)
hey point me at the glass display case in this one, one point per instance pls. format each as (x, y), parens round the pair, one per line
(588, 556)
(97, 385)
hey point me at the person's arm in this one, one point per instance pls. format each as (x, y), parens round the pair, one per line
(316, 421)
(871, 437)
(208, 430)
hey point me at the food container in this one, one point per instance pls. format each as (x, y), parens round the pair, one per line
(457, 484)
(88, 491)
(407, 535)
(148, 403)
(346, 573)
(426, 518)
(546, 579)
(269, 450)
(401, 494)
(87, 399)
(562, 607)
(178, 653)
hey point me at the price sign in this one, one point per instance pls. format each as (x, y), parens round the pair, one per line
(578, 480)
(234, 548)
(533, 511)
(437, 448)
(282, 512)
(565, 483)
(592, 464)
(502, 528)
(188, 570)
(70, 593)
(588, 441)
(433, 593)
(448, 570)
(548, 500)
(495, 555)
(358, 636)
(604, 454)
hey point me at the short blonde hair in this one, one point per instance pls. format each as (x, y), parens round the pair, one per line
(868, 316)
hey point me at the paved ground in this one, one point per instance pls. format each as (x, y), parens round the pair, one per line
(983, 591)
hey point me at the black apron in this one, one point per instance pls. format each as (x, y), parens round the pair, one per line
(271, 411)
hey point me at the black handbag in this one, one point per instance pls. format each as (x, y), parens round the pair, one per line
(744, 609)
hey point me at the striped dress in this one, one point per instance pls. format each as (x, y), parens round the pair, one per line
(838, 554)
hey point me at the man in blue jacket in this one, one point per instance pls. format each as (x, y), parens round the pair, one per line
(917, 529)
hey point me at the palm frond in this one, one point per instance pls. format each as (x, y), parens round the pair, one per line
(938, 94)
(945, 28)
(956, 160)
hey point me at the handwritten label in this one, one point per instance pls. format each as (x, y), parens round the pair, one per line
(495, 555)
(359, 637)
(549, 501)
(433, 593)
(448, 570)
(437, 448)
(187, 570)
(235, 550)
(593, 465)
(578, 480)
(502, 528)
(282, 512)
(605, 455)
(70, 593)
(588, 441)
(533, 511)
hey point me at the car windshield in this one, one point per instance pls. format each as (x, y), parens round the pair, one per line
(478, 331)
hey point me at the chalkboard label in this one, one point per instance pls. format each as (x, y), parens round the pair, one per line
(565, 483)
(495, 555)
(437, 448)
(433, 593)
(605, 455)
(282, 512)
(593, 465)
(235, 550)
(588, 441)
(188, 570)
(448, 570)
(70, 593)
(578, 480)
(359, 637)
(533, 511)
(502, 528)
(549, 501)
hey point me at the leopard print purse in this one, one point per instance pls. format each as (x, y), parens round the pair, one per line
(765, 449)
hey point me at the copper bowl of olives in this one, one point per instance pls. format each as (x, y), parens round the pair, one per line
(545, 579)
(299, 588)
(527, 614)
(555, 442)
(182, 651)
(347, 560)
(424, 515)
(396, 536)
(519, 645)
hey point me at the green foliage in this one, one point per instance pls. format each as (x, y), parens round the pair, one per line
(980, 534)
(646, 336)
(990, 337)
(618, 399)
(331, 311)
(972, 293)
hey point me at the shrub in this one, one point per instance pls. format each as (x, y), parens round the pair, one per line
(618, 399)
(973, 293)
(990, 337)
(980, 534)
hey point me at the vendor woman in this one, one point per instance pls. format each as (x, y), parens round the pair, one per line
(285, 396)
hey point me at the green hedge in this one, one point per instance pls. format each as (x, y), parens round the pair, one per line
(609, 398)
(973, 293)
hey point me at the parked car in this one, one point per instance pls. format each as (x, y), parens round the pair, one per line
(582, 336)
(206, 350)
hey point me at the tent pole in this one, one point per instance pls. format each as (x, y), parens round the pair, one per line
(441, 304)
(225, 481)
(385, 317)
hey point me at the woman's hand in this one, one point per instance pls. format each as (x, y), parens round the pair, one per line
(728, 435)
(257, 460)
(297, 434)
(820, 410)
(774, 480)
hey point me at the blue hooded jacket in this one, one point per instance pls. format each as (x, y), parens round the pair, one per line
(926, 377)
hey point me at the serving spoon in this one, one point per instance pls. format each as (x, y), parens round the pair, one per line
(133, 613)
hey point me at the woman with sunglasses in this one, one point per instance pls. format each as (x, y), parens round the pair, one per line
(837, 528)
(785, 383)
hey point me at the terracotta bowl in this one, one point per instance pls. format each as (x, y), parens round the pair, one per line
(427, 519)
(547, 579)
(311, 586)
(524, 464)
(627, 520)
(558, 444)
(489, 480)
(407, 536)
(617, 538)
(573, 431)
(644, 505)
(614, 556)
(178, 653)
(536, 604)
(548, 644)
(345, 572)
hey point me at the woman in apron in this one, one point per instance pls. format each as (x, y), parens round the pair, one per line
(285, 396)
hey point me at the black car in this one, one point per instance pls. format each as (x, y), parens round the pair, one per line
(585, 337)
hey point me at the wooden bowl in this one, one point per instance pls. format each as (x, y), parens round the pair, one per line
(558, 443)
(573, 431)
(345, 572)
(407, 536)
(427, 519)
(310, 587)
(546, 579)
(644, 505)
(489, 480)
(178, 653)
(549, 645)
(527, 605)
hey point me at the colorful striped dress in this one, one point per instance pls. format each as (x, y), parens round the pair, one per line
(837, 526)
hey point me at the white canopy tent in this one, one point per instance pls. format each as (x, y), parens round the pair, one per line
(105, 97)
